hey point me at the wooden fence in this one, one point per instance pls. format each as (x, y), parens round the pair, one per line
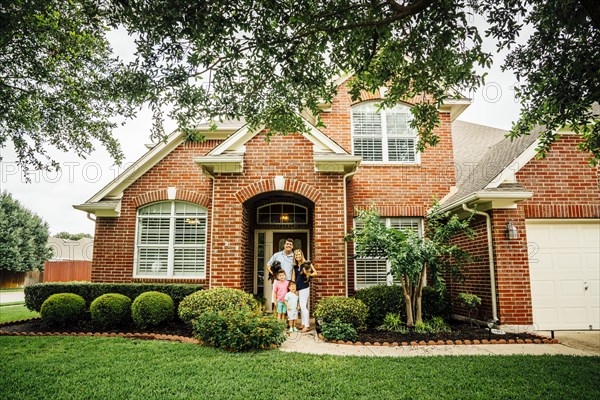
(65, 271)
(9, 280)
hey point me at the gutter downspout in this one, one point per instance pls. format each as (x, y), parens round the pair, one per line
(348, 175)
(488, 222)
(212, 222)
(90, 218)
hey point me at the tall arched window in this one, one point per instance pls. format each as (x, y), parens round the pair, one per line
(171, 240)
(384, 136)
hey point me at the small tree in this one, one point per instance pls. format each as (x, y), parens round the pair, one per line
(412, 257)
(23, 237)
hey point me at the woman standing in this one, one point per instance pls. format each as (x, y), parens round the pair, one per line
(302, 273)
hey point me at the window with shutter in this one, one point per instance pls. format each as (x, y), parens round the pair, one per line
(383, 136)
(171, 240)
(375, 271)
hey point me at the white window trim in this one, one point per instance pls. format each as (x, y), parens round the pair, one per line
(384, 141)
(389, 277)
(171, 246)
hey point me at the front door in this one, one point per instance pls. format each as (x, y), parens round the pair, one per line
(268, 242)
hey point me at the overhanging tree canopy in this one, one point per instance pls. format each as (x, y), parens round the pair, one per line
(267, 60)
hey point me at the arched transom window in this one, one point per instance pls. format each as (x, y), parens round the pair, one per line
(282, 214)
(383, 136)
(171, 240)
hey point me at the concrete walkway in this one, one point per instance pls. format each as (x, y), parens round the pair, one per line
(11, 297)
(309, 343)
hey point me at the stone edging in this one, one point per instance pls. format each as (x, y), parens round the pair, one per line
(147, 336)
(447, 342)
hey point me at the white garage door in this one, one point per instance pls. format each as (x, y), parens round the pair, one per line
(564, 267)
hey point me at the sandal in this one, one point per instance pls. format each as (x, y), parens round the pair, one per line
(305, 330)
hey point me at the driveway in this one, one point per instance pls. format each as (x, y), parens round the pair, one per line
(588, 341)
(11, 297)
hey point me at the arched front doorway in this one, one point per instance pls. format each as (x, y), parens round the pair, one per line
(273, 217)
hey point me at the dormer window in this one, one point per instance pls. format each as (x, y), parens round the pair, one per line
(384, 136)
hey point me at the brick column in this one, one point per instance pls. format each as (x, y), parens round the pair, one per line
(512, 268)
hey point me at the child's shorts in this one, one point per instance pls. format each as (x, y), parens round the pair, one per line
(292, 314)
(281, 308)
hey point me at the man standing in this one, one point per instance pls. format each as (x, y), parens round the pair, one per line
(285, 257)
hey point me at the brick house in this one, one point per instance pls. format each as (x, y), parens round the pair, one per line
(214, 212)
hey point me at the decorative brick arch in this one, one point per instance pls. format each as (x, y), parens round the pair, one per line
(268, 185)
(162, 195)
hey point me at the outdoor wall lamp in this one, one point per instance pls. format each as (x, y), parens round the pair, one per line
(511, 230)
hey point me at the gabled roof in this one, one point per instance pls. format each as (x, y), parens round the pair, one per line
(227, 157)
(493, 174)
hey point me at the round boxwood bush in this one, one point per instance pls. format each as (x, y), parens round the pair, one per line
(152, 309)
(343, 309)
(217, 299)
(110, 310)
(239, 329)
(382, 300)
(63, 309)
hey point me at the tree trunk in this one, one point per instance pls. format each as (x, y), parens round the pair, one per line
(407, 292)
(419, 297)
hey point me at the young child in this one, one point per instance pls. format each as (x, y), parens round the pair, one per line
(292, 304)
(280, 288)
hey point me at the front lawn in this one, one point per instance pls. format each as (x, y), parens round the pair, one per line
(114, 368)
(16, 313)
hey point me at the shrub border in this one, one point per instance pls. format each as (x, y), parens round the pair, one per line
(185, 339)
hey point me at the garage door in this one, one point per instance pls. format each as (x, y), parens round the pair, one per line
(564, 267)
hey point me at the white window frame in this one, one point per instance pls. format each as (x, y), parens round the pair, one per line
(171, 246)
(388, 223)
(384, 133)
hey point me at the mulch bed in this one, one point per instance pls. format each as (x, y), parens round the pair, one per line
(460, 332)
(175, 328)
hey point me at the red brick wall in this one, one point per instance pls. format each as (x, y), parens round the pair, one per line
(512, 268)
(476, 273)
(396, 190)
(291, 157)
(564, 184)
(114, 241)
(513, 292)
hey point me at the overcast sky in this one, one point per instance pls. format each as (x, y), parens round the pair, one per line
(51, 195)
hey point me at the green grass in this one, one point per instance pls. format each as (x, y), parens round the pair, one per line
(12, 290)
(15, 313)
(115, 368)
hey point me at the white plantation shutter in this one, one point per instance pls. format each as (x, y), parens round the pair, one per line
(374, 271)
(384, 136)
(367, 134)
(404, 223)
(171, 240)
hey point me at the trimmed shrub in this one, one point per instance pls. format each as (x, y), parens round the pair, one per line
(63, 309)
(382, 300)
(438, 325)
(344, 309)
(435, 303)
(337, 330)
(239, 329)
(393, 322)
(435, 325)
(152, 309)
(35, 295)
(217, 299)
(110, 310)
(469, 300)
